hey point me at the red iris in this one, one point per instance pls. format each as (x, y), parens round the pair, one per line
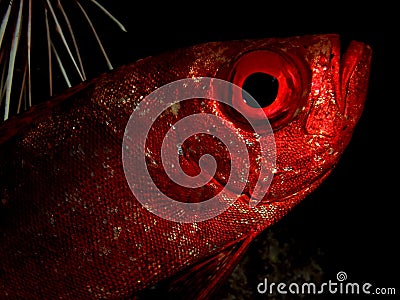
(277, 83)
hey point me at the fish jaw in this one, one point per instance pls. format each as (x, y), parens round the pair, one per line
(339, 86)
(355, 70)
(310, 147)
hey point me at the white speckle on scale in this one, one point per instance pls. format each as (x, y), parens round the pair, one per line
(175, 108)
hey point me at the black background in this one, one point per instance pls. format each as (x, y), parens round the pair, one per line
(352, 217)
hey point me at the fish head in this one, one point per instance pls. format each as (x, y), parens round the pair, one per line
(317, 99)
(309, 95)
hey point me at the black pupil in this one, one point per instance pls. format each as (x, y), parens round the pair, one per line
(262, 87)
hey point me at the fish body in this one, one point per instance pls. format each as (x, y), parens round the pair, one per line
(71, 227)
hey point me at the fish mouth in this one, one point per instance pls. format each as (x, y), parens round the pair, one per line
(354, 72)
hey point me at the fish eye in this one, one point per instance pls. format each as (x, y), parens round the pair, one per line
(274, 84)
(263, 89)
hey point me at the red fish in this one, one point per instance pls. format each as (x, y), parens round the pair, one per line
(70, 226)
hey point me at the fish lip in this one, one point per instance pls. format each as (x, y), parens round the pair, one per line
(354, 69)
